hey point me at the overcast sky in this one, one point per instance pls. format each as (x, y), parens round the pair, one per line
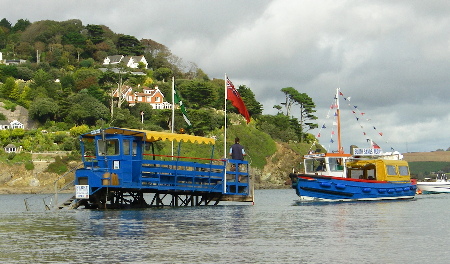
(391, 57)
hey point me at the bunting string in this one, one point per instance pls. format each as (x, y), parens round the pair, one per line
(364, 123)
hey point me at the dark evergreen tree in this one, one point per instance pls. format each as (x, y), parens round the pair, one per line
(21, 25)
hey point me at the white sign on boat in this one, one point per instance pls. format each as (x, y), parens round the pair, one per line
(367, 151)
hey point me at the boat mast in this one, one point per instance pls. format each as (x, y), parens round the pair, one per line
(338, 116)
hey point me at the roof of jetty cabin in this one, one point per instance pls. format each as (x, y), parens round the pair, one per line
(151, 136)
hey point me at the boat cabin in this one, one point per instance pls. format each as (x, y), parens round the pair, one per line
(379, 169)
(330, 164)
(365, 167)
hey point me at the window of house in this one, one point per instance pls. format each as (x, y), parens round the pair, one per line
(157, 99)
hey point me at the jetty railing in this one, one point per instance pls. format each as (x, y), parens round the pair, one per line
(67, 184)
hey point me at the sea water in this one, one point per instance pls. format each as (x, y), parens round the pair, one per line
(273, 230)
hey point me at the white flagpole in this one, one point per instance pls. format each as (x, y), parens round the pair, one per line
(225, 139)
(173, 109)
(225, 126)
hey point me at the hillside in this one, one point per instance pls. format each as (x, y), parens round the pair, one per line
(427, 156)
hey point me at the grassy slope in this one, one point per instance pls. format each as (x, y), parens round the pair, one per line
(424, 163)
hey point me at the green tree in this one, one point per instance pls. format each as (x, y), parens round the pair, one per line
(291, 98)
(85, 109)
(21, 25)
(87, 63)
(74, 38)
(15, 93)
(67, 81)
(123, 118)
(203, 121)
(25, 97)
(198, 94)
(307, 111)
(5, 134)
(43, 109)
(95, 33)
(253, 106)
(17, 133)
(8, 87)
(85, 77)
(78, 130)
(24, 73)
(142, 107)
(129, 45)
(7, 71)
(279, 127)
(5, 23)
(42, 78)
(163, 74)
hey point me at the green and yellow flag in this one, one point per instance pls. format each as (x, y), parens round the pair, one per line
(178, 101)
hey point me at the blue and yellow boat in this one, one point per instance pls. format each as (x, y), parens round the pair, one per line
(362, 175)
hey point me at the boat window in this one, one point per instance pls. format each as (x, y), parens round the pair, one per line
(134, 148)
(108, 147)
(313, 165)
(126, 147)
(403, 170)
(355, 173)
(309, 165)
(89, 148)
(391, 170)
(336, 164)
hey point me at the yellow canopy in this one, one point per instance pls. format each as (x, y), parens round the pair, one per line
(152, 136)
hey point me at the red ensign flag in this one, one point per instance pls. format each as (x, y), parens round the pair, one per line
(235, 98)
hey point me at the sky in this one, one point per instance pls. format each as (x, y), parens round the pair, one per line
(390, 59)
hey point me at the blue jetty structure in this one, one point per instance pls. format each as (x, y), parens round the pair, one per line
(121, 170)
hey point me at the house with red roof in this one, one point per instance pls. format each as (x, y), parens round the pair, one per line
(146, 95)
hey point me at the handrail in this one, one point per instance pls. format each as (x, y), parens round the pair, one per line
(66, 186)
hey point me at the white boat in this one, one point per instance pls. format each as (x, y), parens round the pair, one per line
(441, 185)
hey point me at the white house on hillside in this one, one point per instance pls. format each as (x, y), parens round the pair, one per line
(11, 148)
(10, 125)
(129, 61)
(16, 124)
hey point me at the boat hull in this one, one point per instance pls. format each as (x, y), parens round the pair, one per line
(434, 187)
(326, 188)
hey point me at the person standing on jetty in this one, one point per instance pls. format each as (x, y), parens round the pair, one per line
(237, 151)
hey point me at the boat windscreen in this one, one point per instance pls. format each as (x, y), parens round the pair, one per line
(313, 165)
